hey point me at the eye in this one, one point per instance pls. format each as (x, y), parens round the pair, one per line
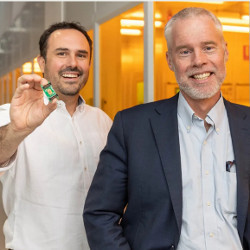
(84, 55)
(61, 53)
(209, 48)
(184, 52)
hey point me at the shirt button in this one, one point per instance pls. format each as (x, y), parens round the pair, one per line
(208, 204)
(207, 172)
(80, 142)
(211, 235)
(205, 142)
(217, 129)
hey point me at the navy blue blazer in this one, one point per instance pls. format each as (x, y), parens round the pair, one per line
(140, 167)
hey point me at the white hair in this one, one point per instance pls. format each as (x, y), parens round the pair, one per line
(186, 13)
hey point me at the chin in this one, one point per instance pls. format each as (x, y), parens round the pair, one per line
(198, 94)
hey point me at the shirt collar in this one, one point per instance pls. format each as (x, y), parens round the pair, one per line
(81, 103)
(80, 106)
(185, 112)
(215, 116)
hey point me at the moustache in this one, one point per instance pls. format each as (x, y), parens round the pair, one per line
(70, 69)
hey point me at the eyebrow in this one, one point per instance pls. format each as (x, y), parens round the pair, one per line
(209, 42)
(66, 49)
(188, 46)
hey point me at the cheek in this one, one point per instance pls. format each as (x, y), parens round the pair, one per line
(85, 67)
(221, 64)
(180, 69)
(55, 64)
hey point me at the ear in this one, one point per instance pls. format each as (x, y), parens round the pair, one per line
(226, 52)
(169, 60)
(41, 62)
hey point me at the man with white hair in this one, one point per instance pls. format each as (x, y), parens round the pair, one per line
(180, 166)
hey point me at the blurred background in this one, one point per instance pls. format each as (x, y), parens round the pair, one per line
(129, 65)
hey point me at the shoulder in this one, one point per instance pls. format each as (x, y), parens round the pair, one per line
(147, 109)
(236, 108)
(96, 113)
(94, 110)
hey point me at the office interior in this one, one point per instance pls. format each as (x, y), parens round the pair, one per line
(129, 64)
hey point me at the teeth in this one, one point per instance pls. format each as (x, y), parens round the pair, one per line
(202, 76)
(69, 75)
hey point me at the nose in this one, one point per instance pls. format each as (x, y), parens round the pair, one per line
(72, 61)
(199, 58)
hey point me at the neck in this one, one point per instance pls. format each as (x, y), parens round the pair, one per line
(201, 107)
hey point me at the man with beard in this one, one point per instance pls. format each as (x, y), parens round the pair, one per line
(181, 166)
(49, 153)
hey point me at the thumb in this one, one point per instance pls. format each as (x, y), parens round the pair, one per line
(50, 107)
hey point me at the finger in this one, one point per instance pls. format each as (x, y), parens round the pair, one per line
(44, 82)
(19, 91)
(37, 81)
(50, 107)
(30, 79)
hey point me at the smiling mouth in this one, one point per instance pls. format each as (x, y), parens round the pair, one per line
(70, 75)
(202, 76)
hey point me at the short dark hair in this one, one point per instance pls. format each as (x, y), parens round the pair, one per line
(43, 42)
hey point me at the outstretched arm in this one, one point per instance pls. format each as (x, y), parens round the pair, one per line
(27, 111)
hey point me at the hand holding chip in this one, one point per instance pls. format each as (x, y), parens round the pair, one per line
(27, 106)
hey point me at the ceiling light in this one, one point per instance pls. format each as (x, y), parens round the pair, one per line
(140, 14)
(36, 67)
(234, 20)
(129, 23)
(158, 24)
(239, 29)
(245, 17)
(132, 32)
(27, 68)
(158, 15)
(206, 2)
(137, 23)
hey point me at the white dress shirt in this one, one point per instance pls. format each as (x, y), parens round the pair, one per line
(209, 219)
(44, 188)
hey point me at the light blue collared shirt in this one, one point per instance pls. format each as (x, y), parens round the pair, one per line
(209, 219)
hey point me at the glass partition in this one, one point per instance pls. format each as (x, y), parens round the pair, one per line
(121, 61)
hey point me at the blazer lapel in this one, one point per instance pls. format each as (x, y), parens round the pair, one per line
(239, 127)
(165, 128)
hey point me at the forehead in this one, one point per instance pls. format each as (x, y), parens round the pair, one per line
(68, 38)
(195, 29)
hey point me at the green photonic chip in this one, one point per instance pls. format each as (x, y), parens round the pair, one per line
(49, 92)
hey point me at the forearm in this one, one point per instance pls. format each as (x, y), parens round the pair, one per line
(9, 141)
